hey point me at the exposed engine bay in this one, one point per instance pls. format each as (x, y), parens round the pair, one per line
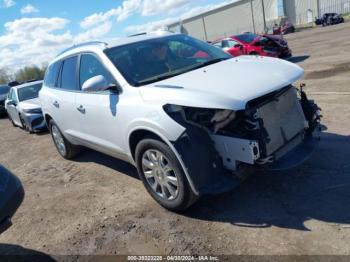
(265, 131)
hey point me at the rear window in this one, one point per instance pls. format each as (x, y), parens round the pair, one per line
(29, 92)
(51, 75)
(4, 90)
(247, 38)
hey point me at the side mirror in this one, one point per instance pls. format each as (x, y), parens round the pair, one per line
(238, 46)
(11, 103)
(98, 83)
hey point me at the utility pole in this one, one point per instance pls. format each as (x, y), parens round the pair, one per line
(318, 9)
(264, 17)
(252, 12)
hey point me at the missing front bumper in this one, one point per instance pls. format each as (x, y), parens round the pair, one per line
(234, 151)
(299, 154)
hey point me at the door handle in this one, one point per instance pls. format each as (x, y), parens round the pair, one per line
(81, 109)
(56, 104)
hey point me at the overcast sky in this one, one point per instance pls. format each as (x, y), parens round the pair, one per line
(34, 31)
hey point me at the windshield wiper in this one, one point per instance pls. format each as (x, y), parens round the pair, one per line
(158, 78)
(213, 61)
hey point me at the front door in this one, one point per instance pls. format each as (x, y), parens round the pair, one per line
(12, 108)
(98, 111)
(232, 47)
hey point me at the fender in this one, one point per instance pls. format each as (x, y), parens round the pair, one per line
(166, 141)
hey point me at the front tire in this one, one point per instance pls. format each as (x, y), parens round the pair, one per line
(66, 149)
(163, 176)
(23, 123)
(10, 118)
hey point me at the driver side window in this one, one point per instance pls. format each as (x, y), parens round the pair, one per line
(90, 67)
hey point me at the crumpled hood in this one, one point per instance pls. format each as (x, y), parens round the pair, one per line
(30, 104)
(228, 84)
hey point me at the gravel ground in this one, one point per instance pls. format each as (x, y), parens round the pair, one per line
(97, 205)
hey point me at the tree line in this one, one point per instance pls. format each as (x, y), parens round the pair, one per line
(24, 74)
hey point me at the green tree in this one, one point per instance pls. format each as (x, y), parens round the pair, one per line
(30, 72)
(5, 76)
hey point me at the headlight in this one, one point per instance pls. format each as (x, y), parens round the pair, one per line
(212, 119)
(33, 111)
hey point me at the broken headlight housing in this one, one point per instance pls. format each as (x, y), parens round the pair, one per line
(211, 119)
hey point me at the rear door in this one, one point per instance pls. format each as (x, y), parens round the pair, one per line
(67, 91)
(98, 115)
(60, 98)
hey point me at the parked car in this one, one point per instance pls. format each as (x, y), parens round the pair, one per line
(253, 44)
(11, 197)
(284, 50)
(23, 107)
(329, 19)
(4, 89)
(285, 27)
(189, 124)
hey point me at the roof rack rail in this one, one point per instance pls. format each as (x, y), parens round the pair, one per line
(82, 44)
(161, 30)
(138, 34)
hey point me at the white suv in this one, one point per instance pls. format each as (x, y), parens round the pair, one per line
(190, 117)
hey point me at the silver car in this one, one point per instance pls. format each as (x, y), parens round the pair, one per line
(23, 107)
(190, 117)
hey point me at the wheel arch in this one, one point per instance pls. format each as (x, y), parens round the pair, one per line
(139, 134)
(47, 119)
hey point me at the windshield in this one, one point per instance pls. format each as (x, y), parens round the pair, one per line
(29, 92)
(153, 60)
(4, 90)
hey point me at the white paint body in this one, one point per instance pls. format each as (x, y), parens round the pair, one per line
(110, 118)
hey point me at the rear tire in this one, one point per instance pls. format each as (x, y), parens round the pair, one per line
(66, 149)
(163, 176)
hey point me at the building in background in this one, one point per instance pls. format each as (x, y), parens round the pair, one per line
(237, 17)
(255, 16)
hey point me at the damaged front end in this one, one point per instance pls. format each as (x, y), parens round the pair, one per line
(276, 131)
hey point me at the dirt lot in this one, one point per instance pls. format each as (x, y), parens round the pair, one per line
(97, 205)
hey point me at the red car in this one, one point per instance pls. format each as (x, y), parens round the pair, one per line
(252, 44)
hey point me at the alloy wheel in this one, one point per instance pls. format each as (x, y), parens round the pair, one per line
(59, 141)
(159, 174)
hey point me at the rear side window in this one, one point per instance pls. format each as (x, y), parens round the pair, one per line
(51, 75)
(69, 74)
